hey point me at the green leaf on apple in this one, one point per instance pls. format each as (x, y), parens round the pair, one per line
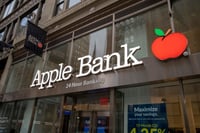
(159, 32)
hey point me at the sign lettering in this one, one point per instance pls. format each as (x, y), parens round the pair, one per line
(93, 66)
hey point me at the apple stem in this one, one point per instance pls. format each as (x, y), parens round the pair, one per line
(168, 32)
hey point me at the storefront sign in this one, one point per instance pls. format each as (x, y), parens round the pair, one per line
(35, 39)
(168, 46)
(88, 65)
(85, 82)
(147, 118)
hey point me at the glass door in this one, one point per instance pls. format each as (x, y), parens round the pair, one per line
(47, 115)
(86, 113)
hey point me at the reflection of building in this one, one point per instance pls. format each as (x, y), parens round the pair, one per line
(98, 102)
(98, 43)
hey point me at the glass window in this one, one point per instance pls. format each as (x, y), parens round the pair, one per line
(24, 21)
(186, 20)
(22, 74)
(1, 35)
(57, 55)
(192, 93)
(10, 36)
(22, 116)
(139, 30)
(15, 77)
(157, 106)
(59, 7)
(47, 115)
(6, 110)
(30, 17)
(32, 65)
(73, 2)
(9, 8)
(1, 10)
(16, 117)
(96, 44)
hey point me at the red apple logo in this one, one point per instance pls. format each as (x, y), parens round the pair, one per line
(168, 46)
(39, 45)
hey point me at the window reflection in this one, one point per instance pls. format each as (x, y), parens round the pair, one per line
(57, 55)
(30, 17)
(73, 2)
(9, 8)
(186, 20)
(132, 32)
(24, 21)
(167, 93)
(32, 65)
(95, 44)
(192, 93)
(139, 30)
(15, 77)
(5, 115)
(22, 74)
(22, 116)
(98, 43)
(1, 35)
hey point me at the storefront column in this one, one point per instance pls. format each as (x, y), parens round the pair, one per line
(32, 115)
(27, 116)
(112, 111)
(183, 108)
(61, 117)
(190, 113)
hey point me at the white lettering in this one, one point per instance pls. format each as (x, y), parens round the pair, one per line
(33, 40)
(44, 79)
(108, 60)
(53, 73)
(36, 78)
(98, 65)
(60, 72)
(67, 72)
(50, 77)
(87, 65)
(130, 56)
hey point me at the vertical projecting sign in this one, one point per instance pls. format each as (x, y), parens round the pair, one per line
(35, 39)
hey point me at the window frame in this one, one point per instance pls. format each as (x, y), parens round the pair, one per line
(2, 34)
(9, 8)
(57, 5)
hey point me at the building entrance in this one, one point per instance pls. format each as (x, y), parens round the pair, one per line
(86, 113)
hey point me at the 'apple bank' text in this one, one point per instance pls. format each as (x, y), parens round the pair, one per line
(88, 65)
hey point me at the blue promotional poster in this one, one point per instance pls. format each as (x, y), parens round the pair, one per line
(147, 118)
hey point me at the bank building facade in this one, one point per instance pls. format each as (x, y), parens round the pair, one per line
(99, 66)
